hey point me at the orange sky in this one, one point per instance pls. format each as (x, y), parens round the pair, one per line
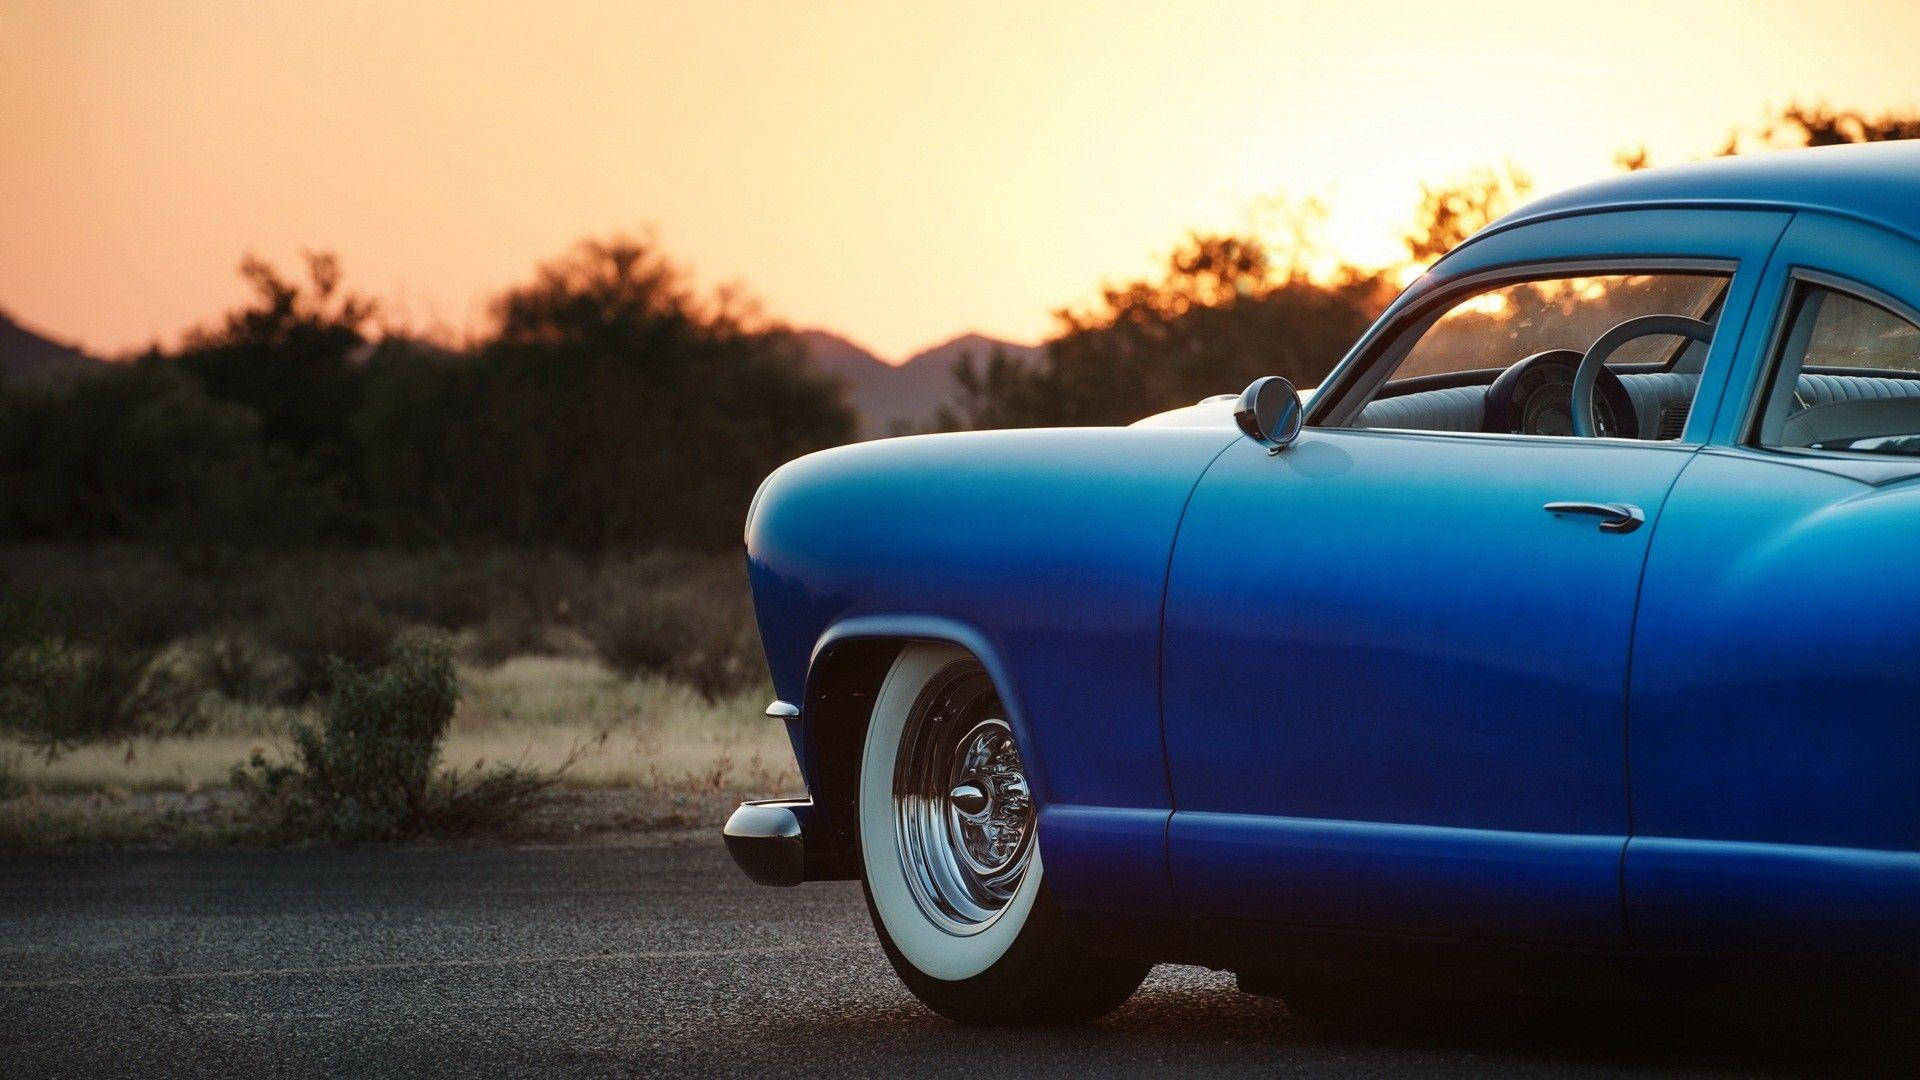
(898, 172)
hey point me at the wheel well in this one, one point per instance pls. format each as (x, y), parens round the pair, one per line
(840, 695)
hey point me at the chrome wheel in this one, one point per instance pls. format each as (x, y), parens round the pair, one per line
(962, 809)
(950, 860)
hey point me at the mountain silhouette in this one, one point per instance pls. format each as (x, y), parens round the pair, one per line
(898, 397)
(890, 398)
(27, 357)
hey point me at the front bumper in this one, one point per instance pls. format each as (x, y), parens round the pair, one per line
(776, 842)
(784, 842)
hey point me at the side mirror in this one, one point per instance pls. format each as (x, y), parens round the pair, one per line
(1270, 412)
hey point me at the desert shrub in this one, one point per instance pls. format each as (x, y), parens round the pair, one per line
(363, 771)
(260, 627)
(240, 667)
(644, 636)
(450, 589)
(724, 657)
(369, 768)
(677, 637)
(10, 782)
(507, 633)
(487, 797)
(59, 691)
(129, 593)
(322, 634)
(70, 694)
(678, 616)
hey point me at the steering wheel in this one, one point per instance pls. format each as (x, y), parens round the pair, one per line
(1596, 358)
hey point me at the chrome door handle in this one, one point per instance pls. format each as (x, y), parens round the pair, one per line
(1614, 517)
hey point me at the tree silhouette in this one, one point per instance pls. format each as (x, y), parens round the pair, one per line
(1449, 213)
(616, 407)
(1798, 125)
(1226, 311)
(139, 450)
(289, 356)
(609, 405)
(1221, 315)
(1633, 159)
(1821, 125)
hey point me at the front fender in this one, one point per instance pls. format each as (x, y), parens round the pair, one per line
(1043, 552)
(912, 627)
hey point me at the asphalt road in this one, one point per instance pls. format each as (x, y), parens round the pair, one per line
(622, 961)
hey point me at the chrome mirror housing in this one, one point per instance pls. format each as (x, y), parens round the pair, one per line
(1270, 412)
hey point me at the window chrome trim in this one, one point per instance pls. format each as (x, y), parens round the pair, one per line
(1596, 441)
(1360, 380)
(1753, 416)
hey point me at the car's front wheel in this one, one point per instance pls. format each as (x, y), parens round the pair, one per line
(951, 855)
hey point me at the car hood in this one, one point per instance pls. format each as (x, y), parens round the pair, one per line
(1213, 412)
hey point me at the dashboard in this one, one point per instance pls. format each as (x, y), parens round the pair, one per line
(1535, 397)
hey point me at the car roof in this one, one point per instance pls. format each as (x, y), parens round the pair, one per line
(1873, 182)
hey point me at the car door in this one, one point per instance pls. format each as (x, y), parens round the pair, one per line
(1775, 699)
(1393, 677)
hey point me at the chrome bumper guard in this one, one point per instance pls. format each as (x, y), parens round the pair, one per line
(784, 842)
(769, 840)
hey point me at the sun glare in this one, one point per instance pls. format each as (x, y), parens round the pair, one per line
(1487, 303)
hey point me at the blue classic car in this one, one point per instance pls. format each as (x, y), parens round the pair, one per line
(1572, 628)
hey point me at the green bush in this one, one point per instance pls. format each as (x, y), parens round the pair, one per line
(364, 770)
(369, 769)
(58, 692)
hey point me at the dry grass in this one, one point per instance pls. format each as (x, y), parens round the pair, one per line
(116, 819)
(640, 673)
(647, 734)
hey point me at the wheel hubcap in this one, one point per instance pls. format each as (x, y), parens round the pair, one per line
(962, 805)
(968, 799)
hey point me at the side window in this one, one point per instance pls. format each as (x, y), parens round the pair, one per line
(1463, 370)
(1847, 377)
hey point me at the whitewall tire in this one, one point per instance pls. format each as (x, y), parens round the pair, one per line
(951, 855)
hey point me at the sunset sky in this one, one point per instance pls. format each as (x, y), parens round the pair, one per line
(896, 172)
